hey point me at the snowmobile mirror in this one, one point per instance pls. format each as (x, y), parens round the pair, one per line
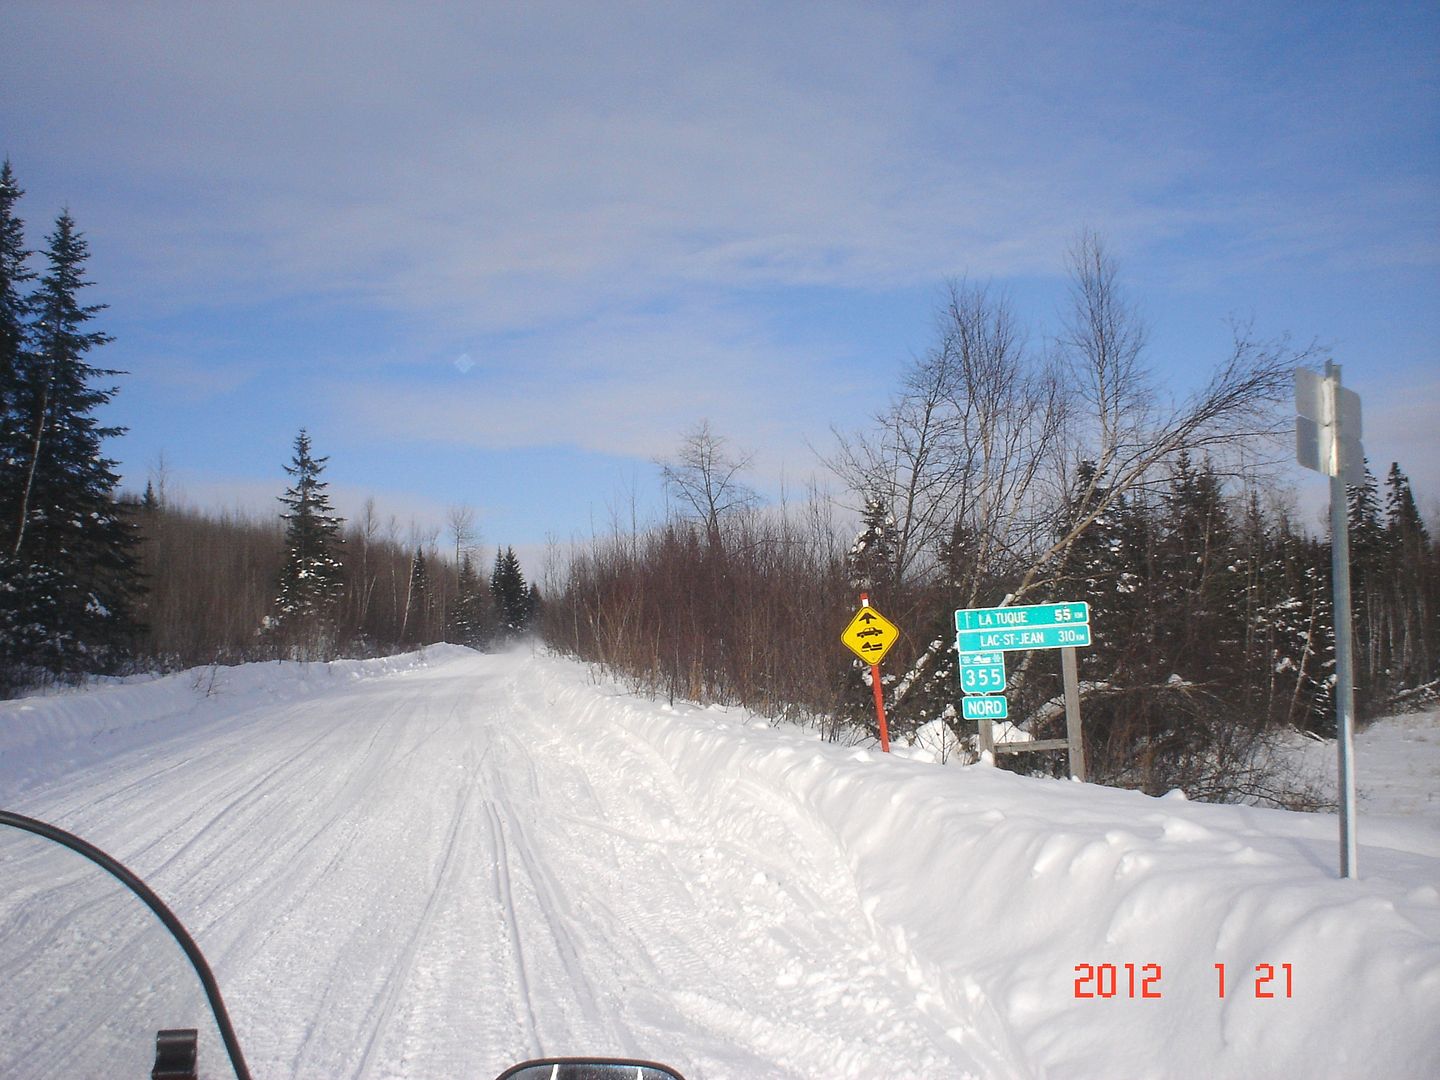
(589, 1069)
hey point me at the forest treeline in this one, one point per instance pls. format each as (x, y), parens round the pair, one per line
(212, 582)
(1210, 611)
(94, 582)
(1000, 473)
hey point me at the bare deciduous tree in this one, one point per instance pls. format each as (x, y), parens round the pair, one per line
(461, 522)
(966, 443)
(1120, 423)
(705, 477)
(976, 452)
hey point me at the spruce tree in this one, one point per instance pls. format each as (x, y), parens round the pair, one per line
(1411, 589)
(15, 276)
(68, 576)
(512, 597)
(23, 623)
(1197, 611)
(418, 602)
(1370, 570)
(1291, 657)
(468, 622)
(1107, 567)
(1403, 523)
(312, 578)
(871, 560)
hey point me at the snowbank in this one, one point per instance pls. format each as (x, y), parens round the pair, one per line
(1009, 896)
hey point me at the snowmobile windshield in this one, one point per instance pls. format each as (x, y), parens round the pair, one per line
(89, 975)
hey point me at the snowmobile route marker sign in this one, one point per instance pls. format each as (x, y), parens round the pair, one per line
(870, 635)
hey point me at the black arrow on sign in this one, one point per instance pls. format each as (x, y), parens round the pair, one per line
(867, 616)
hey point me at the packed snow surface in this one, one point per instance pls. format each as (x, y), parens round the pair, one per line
(437, 865)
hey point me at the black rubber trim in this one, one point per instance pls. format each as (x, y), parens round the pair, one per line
(631, 1062)
(163, 913)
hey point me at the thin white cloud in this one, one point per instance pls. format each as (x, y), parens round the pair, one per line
(1401, 419)
(626, 384)
(588, 198)
(500, 167)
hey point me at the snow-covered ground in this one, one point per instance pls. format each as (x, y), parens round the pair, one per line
(1397, 766)
(434, 866)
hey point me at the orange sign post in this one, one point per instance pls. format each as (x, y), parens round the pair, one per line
(869, 636)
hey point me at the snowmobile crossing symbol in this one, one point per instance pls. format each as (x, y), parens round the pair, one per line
(870, 635)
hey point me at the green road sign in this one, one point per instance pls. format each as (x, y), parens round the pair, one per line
(1014, 618)
(983, 678)
(984, 707)
(1039, 637)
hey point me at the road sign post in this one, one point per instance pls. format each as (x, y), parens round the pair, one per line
(1327, 439)
(869, 636)
(1074, 736)
(984, 635)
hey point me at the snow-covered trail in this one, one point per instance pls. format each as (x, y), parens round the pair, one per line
(439, 874)
(435, 866)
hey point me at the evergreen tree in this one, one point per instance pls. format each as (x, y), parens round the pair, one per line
(68, 578)
(1411, 592)
(469, 624)
(1197, 609)
(511, 595)
(418, 601)
(1367, 532)
(1370, 570)
(311, 580)
(1107, 567)
(960, 564)
(23, 619)
(15, 304)
(871, 560)
(1110, 566)
(1290, 659)
(1403, 523)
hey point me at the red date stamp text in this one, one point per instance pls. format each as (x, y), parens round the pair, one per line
(1146, 981)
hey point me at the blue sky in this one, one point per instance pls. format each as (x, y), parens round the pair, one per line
(504, 255)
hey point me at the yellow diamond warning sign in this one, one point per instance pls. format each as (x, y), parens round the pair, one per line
(870, 635)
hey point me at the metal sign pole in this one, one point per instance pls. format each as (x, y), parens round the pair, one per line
(1344, 660)
(1327, 439)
